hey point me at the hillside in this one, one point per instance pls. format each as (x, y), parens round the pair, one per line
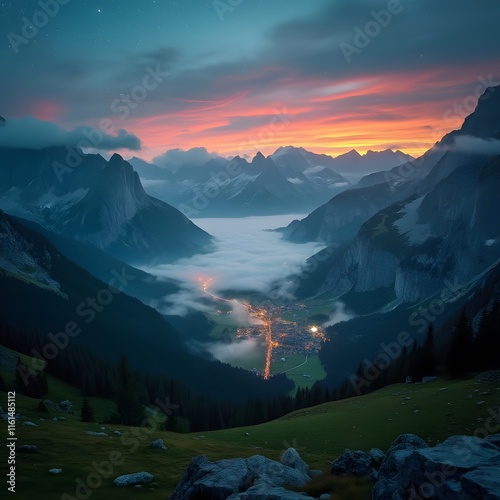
(106, 321)
(435, 411)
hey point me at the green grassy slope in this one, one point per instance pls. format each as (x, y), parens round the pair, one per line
(320, 434)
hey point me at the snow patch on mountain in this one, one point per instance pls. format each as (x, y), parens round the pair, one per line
(409, 226)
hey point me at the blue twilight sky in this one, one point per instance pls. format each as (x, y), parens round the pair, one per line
(335, 74)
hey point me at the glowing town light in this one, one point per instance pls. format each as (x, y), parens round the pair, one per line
(314, 329)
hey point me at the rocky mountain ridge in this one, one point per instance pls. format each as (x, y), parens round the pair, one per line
(89, 199)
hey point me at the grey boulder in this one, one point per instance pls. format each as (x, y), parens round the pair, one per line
(253, 476)
(137, 478)
(460, 468)
(357, 463)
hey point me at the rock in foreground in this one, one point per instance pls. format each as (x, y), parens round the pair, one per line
(251, 478)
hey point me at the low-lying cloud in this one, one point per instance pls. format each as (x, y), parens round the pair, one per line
(338, 315)
(246, 258)
(176, 157)
(31, 133)
(471, 144)
(235, 351)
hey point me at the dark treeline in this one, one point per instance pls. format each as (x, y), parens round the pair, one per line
(187, 411)
(461, 354)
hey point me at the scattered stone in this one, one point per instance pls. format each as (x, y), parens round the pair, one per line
(443, 389)
(357, 463)
(409, 380)
(158, 444)
(292, 459)
(468, 396)
(55, 471)
(315, 473)
(29, 424)
(117, 433)
(50, 405)
(28, 448)
(103, 428)
(377, 455)
(66, 406)
(99, 434)
(481, 403)
(137, 478)
(425, 380)
(493, 439)
(266, 492)
(490, 376)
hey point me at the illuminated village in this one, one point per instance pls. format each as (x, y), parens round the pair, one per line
(283, 337)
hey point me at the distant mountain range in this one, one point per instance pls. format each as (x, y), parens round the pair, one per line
(86, 198)
(289, 181)
(350, 165)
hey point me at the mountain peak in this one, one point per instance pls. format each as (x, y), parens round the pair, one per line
(116, 158)
(483, 122)
(258, 157)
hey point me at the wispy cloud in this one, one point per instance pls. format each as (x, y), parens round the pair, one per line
(471, 144)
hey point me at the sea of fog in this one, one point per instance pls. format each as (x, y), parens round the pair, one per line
(247, 257)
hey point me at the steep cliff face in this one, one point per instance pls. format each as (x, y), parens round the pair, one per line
(421, 245)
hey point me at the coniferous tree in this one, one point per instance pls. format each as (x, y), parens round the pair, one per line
(87, 413)
(128, 409)
(427, 361)
(486, 345)
(459, 361)
(22, 376)
(415, 362)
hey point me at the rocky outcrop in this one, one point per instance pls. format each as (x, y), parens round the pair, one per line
(252, 478)
(462, 467)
